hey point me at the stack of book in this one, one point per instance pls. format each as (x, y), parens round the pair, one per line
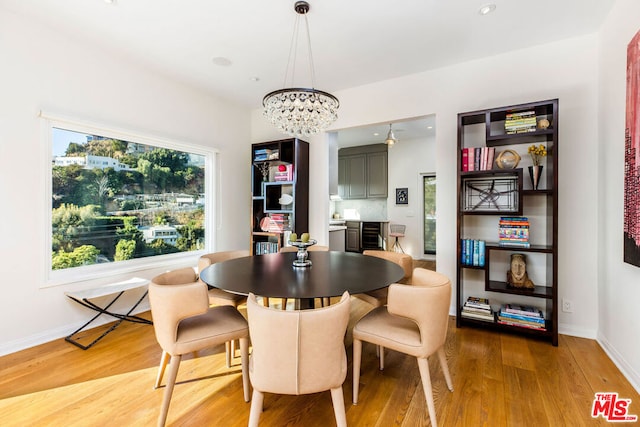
(523, 316)
(478, 158)
(283, 173)
(278, 222)
(478, 308)
(521, 122)
(263, 154)
(514, 231)
(472, 252)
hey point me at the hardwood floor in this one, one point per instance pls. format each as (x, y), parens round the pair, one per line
(499, 380)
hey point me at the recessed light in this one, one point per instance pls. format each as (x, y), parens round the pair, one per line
(487, 9)
(376, 134)
(110, 1)
(221, 61)
(429, 127)
(255, 79)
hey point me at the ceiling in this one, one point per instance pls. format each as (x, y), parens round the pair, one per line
(238, 50)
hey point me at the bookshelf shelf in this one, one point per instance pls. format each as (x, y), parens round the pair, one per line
(278, 169)
(480, 131)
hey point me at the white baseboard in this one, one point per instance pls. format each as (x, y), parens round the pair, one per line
(57, 333)
(626, 369)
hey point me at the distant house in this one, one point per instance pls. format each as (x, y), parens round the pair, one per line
(91, 162)
(167, 233)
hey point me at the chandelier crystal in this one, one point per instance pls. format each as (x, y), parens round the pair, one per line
(301, 111)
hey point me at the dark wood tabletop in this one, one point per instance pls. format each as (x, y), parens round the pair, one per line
(273, 275)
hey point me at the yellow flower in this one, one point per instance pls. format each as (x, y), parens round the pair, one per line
(537, 153)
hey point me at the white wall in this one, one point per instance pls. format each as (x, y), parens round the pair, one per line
(43, 70)
(619, 283)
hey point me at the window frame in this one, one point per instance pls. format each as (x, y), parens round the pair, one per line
(94, 271)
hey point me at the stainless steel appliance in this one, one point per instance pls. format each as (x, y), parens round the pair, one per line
(337, 231)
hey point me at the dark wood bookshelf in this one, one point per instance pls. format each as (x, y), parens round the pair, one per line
(486, 128)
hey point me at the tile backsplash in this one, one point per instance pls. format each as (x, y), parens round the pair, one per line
(375, 209)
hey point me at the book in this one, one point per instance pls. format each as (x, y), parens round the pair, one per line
(526, 310)
(521, 325)
(517, 317)
(465, 159)
(471, 157)
(478, 316)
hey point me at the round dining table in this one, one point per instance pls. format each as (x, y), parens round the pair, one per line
(329, 275)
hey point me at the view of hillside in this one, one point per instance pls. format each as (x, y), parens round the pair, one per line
(114, 200)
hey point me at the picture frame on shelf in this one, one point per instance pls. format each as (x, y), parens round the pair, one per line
(402, 196)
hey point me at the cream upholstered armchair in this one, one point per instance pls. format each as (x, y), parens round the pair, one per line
(298, 352)
(220, 297)
(414, 322)
(378, 297)
(184, 323)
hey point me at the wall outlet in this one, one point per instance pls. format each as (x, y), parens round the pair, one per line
(567, 306)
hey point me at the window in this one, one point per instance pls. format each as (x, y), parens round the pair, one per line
(429, 184)
(121, 201)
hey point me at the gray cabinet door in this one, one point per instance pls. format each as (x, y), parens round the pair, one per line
(377, 175)
(352, 243)
(352, 177)
(343, 178)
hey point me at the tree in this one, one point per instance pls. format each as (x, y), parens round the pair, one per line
(125, 249)
(191, 237)
(83, 255)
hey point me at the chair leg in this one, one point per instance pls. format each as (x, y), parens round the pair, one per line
(244, 356)
(164, 359)
(337, 397)
(381, 358)
(256, 408)
(445, 368)
(423, 366)
(357, 356)
(284, 304)
(171, 381)
(227, 351)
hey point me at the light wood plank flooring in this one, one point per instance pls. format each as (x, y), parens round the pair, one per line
(499, 380)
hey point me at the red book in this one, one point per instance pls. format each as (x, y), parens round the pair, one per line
(465, 159)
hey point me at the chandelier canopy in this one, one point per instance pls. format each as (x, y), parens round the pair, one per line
(300, 111)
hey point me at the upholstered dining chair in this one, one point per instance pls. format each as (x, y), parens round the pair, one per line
(184, 322)
(311, 249)
(220, 297)
(378, 297)
(413, 322)
(307, 355)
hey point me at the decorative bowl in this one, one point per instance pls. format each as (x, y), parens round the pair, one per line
(302, 258)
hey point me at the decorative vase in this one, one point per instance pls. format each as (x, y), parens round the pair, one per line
(535, 173)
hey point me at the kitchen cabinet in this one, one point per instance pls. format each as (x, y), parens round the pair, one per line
(352, 240)
(362, 172)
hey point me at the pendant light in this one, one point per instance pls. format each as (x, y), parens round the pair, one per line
(300, 111)
(391, 139)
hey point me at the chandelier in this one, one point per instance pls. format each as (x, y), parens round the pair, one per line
(300, 111)
(391, 138)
